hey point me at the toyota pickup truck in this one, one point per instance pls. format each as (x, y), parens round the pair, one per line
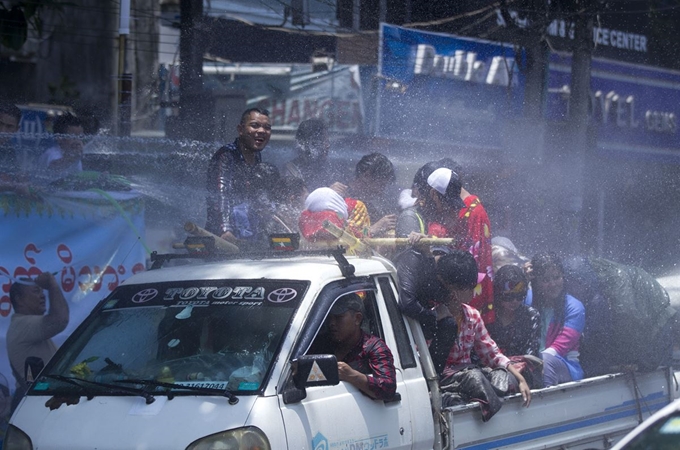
(214, 355)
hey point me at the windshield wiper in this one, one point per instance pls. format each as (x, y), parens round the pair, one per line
(88, 394)
(233, 399)
(112, 387)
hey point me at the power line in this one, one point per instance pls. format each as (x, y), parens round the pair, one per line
(113, 46)
(563, 14)
(450, 19)
(137, 35)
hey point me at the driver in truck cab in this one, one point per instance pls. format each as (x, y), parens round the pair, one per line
(364, 360)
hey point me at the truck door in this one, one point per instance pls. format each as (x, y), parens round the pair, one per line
(341, 417)
(415, 396)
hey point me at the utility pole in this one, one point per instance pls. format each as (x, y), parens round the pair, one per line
(564, 161)
(356, 15)
(532, 39)
(124, 125)
(536, 80)
(579, 119)
(190, 123)
(580, 70)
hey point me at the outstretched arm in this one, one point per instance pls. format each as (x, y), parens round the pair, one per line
(523, 386)
(355, 378)
(381, 383)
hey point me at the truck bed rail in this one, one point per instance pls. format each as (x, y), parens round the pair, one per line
(568, 416)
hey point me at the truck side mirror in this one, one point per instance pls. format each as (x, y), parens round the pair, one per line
(316, 370)
(308, 371)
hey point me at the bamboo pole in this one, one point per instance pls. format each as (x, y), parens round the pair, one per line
(393, 242)
(366, 245)
(220, 244)
(354, 245)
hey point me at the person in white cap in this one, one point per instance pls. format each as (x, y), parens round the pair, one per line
(470, 223)
(444, 197)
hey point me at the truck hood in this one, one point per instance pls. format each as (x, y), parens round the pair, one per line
(127, 422)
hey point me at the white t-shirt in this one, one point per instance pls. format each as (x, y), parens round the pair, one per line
(53, 154)
(29, 335)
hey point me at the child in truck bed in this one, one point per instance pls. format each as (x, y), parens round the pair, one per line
(457, 271)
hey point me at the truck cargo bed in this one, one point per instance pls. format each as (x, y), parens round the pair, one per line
(574, 415)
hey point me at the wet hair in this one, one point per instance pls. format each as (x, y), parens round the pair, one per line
(509, 278)
(311, 130)
(541, 262)
(458, 269)
(503, 256)
(376, 166)
(247, 112)
(452, 194)
(420, 178)
(61, 123)
(11, 110)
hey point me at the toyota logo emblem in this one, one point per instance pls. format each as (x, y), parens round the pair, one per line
(282, 295)
(144, 296)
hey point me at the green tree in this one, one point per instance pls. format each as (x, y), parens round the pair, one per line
(24, 15)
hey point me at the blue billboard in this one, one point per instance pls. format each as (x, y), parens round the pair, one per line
(634, 109)
(440, 88)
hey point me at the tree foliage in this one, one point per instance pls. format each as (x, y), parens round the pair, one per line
(17, 18)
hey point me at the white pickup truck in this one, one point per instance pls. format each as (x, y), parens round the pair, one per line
(199, 356)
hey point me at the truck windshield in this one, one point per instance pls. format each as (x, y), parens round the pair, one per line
(176, 337)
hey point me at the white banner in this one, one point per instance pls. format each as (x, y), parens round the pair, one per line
(92, 240)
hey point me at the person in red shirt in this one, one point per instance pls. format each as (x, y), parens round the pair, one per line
(472, 229)
(325, 204)
(478, 242)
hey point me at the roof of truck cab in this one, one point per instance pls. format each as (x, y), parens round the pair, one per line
(294, 268)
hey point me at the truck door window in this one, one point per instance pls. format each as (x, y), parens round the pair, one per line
(370, 324)
(404, 348)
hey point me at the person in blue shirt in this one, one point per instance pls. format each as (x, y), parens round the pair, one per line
(563, 319)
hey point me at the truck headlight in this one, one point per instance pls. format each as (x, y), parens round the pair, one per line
(247, 438)
(15, 439)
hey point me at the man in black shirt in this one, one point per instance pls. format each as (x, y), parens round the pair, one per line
(229, 170)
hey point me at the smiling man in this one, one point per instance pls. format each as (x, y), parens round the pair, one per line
(230, 168)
